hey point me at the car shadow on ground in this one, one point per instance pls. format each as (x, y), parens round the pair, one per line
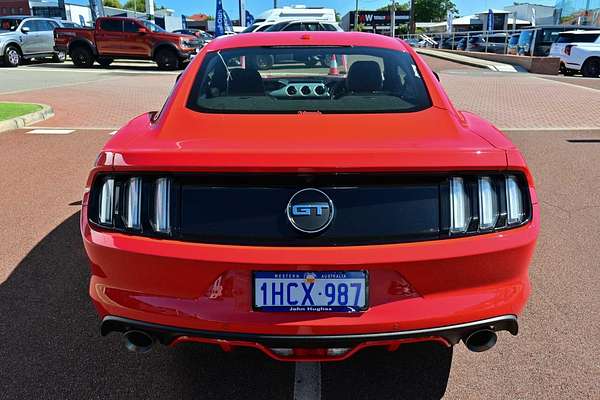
(135, 66)
(50, 348)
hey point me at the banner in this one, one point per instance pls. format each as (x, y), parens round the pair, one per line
(228, 24)
(449, 20)
(490, 20)
(249, 18)
(184, 24)
(97, 9)
(219, 19)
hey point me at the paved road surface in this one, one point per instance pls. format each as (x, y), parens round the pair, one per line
(50, 344)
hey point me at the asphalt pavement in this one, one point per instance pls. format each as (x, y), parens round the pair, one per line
(51, 347)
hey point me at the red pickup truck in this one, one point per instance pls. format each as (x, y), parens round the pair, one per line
(125, 38)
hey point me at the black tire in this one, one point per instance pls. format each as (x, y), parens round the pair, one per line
(82, 57)
(105, 61)
(167, 59)
(264, 62)
(591, 68)
(12, 56)
(59, 57)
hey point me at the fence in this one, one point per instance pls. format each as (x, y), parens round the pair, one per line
(483, 41)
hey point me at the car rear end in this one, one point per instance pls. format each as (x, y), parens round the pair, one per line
(309, 227)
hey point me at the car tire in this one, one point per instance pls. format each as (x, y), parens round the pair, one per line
(12, 56)
(82, 57)
(59, 57)
(264, 62)
(105, 61)
(591, 68)
(167, 59)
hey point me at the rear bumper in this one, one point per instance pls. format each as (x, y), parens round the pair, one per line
(310, 344)
(412, 286)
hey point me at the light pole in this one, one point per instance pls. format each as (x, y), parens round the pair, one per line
(356, 17)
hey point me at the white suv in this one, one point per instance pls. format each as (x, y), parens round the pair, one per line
(578, 51)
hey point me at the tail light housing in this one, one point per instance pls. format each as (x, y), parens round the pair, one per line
(486, 203)
(568, 49)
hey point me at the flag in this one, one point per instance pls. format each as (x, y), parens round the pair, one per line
(490, 20)
(219, 19)
(249, 18)
(532, 16)
(449, 21)
(184, 24)
(227, 23)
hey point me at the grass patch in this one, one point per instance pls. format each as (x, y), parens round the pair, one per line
(12, 110)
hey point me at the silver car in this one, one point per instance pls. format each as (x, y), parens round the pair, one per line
(25, 37)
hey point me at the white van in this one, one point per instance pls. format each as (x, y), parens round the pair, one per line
(297, 13)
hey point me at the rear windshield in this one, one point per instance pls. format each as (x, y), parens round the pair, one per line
(9, 24)
(294, 79)
(577, 38)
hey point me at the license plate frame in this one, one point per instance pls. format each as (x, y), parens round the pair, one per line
(324, 309)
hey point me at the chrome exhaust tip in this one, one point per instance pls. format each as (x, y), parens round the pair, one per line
(138, 341)
(481, 340)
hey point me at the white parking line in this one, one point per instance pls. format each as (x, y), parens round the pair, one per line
(307, 381)
(51, 131)
(112, 133)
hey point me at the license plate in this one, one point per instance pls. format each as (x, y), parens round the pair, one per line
(344, 291)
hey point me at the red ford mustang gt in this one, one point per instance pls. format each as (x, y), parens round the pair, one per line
(309, 195)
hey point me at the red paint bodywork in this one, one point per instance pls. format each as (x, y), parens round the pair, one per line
(208, 286)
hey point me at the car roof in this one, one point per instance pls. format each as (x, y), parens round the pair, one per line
(305, 38)
(580, 32)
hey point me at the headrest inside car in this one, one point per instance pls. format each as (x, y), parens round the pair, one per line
(364, 76)
(246, 82)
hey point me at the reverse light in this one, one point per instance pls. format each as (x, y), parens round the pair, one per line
(106, 203)
(514, 201)
(460, 209)
(488, 204)
(133, 203)
(162, 194)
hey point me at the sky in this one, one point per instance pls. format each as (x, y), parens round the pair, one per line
(256, 7)
(188, 7)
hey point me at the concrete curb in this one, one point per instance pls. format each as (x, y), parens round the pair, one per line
(27, 119)
(474, 62)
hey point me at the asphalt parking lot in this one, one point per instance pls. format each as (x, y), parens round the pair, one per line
(51, 347)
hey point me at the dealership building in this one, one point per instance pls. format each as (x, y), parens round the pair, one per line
(374, 21)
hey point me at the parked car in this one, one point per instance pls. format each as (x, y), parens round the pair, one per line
(451, 43)
(125, 38)
(258, 27)
(579, 51)
(69, 24)
(300, 224)
(304, 25)
(537, 41)
(412, 42)
(494, 43)
(513, 42)
(199, 33)
(23, 38)
(461, 44)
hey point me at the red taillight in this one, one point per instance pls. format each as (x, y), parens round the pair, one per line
(568, 49)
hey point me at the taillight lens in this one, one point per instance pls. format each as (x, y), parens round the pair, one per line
(133, 203)
(514, 201)
(460, 215)
(488, 203)
(106, 202)
(162, 211)
(568, 49)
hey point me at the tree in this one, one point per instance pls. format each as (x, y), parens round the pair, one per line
(399, 7)
(433, 10)
(137, 5)
(112, 3)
